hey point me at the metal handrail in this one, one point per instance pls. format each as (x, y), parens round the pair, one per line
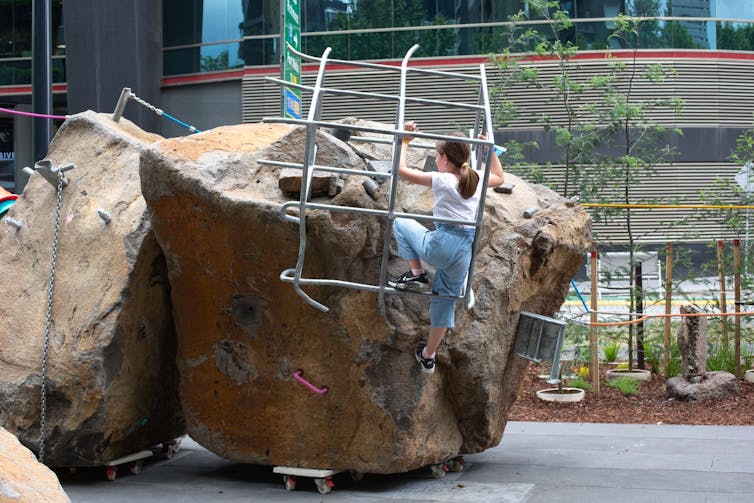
(377, 96)
(483, 122)
(392, 68)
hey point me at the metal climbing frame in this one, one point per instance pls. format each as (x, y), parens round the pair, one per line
(480, 148)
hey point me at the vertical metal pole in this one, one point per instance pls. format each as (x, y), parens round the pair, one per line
(737, 306)
(282, 50)
(594, 348)
(668, 306)
(41, 89)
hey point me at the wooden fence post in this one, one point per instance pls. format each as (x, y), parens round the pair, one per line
(723, 302)
(594, 348)
(737, 305)
(668, 307)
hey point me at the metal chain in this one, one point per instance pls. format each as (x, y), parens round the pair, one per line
(148, 105)
(45, 343)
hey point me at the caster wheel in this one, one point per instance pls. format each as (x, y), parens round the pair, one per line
(290, 482)
(356, 475)
(135, 467)
(456, 464)
(171, 447)
(168, 451)
(438, 471)
(324, 486)
(111, 472)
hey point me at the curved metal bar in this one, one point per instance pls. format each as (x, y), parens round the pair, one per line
(397, 145)
(392, 68)
(290, 276)
(287, 217)
(310, 153)
(485, 97)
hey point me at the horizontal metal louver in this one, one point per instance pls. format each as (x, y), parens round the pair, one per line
(671, 184)
(715, 93)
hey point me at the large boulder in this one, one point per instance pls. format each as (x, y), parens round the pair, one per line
(243, 333)
(22, 478)
(111, 373)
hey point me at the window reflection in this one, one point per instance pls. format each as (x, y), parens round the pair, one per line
(254, 25)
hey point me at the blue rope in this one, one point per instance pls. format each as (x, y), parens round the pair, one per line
(579, 294)
(187, 126)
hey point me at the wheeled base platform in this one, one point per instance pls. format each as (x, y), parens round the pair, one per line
(452, 465)
(134, 461)
(322, 478)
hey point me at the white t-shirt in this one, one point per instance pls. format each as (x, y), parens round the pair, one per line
(449, 203)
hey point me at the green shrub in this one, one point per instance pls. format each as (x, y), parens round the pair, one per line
(625, 385)
(579, 382)
(611, 350)
(721, 357)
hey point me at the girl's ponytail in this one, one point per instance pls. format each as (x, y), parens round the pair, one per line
(469, 180)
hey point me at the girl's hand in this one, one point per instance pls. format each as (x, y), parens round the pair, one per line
(409, 126)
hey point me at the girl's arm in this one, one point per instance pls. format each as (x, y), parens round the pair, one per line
(410, 174)
(496, 169)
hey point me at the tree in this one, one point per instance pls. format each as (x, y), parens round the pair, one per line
(737, 38)
(633, 146)
(215, 63)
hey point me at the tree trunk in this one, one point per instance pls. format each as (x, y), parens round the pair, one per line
(640, 310)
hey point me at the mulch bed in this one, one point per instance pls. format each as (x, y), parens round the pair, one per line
(650, 406)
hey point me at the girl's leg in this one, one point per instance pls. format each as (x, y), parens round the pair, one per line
(410, 235)
(436, 335)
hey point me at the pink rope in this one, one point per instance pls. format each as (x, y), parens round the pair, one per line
(30, 114)
(319, 391)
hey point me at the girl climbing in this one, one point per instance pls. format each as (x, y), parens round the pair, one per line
(456, 190)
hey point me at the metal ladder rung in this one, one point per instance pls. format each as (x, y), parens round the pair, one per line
(377, 96)
(286, 276)
(370, 211)
(392, 132)
(329, 169)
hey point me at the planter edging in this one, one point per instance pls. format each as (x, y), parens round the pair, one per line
(637, 374)
(552, 395)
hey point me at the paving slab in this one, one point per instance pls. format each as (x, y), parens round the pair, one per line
(535, 463)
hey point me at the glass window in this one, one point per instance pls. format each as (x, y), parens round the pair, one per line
(16, 28)
(733, 9)
(199, 21)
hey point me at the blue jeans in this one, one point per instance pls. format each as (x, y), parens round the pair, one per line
(448, 250)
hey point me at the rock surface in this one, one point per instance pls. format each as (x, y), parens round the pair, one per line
(111, 373)
(243, 333)
(22, 478)
(692, 343)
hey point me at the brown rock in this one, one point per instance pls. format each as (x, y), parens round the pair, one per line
(243, 333)
(289, 182)
(22, 478)
(713, 385)
(111, 374)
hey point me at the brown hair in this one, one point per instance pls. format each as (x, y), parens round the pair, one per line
(458, 154)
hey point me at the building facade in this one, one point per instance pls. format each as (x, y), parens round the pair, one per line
(207, 62)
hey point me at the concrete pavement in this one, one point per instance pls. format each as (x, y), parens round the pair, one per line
(534, 463)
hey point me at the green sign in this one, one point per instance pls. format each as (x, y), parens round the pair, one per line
(291, 63)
